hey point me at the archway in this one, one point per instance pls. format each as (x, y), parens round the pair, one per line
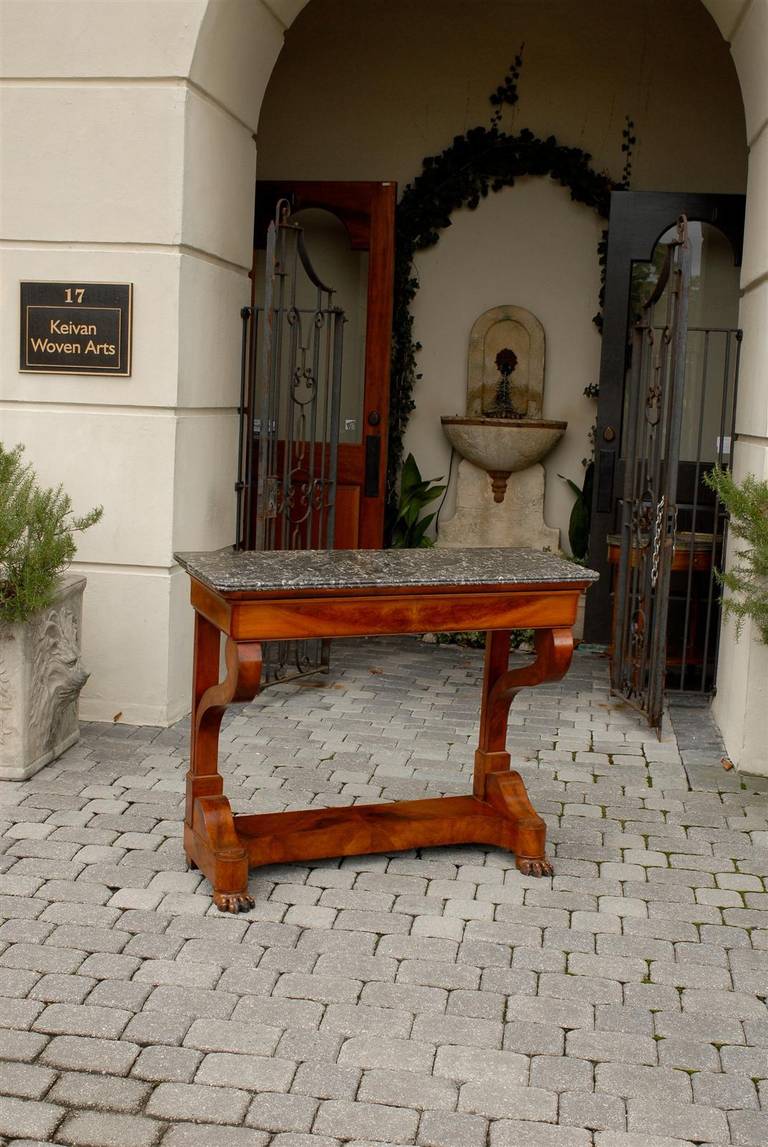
(222, 49)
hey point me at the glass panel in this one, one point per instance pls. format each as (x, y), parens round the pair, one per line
(713, 308)
(345, 270)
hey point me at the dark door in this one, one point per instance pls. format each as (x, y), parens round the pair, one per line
(365, 213)
(638, 219)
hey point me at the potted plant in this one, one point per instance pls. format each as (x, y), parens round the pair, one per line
(747, 579)
(409, 531)
(41, 674)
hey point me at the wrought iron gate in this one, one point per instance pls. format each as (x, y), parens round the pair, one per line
(666, 618)
(653, 421)
(290, 401)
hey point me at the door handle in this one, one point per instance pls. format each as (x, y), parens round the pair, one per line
(372, 459)
(606, 461)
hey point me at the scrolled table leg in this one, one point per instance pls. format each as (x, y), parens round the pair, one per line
(494, 782)
(210, 838)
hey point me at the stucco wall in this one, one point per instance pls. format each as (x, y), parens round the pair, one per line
(110, 162)
(741, 703)
(416, 75)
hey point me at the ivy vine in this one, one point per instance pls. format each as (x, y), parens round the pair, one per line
(483, 160)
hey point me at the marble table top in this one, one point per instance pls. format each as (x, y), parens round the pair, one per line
(231, 571)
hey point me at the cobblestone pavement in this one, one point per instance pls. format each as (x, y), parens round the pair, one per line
(437, 998)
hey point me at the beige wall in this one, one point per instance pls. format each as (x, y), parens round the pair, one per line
(741, 702)
(366, 90)
(420, 74)
(514, 249)
(110, 163)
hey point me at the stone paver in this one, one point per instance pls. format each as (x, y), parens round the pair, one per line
(435, 998)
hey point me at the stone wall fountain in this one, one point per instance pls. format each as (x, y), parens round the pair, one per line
(502, 438)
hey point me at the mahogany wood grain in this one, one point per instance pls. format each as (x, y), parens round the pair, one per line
(274, 838)
(554, 650)
(499, 812)
(205, 785)
(357, 614)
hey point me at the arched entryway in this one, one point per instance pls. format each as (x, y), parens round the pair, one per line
(742, 28)
(173, 92)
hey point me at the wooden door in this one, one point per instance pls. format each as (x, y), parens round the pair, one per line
(367, 212)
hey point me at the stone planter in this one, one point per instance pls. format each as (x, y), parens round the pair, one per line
(40, 680)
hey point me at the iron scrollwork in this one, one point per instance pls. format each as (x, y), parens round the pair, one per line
(652, 445)
(290, 413)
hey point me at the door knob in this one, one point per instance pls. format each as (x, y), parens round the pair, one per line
(374, 418)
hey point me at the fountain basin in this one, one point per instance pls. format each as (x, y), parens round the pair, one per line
(502, 444)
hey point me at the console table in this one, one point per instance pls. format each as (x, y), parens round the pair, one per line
(252, 597)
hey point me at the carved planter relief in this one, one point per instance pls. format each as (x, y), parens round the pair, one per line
(41, 676)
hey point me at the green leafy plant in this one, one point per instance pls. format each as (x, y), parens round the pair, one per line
(37, 542)
(580, 520)
(521, 639)
(416, 493)
(468, 638)
(475, 639)
(747, 579)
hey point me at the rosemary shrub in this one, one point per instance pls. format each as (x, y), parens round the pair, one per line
(747, 579)
(37, 537)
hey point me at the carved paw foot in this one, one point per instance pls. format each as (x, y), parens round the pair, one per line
(233, 901)
(538, 867)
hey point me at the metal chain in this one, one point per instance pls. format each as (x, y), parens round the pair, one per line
(657, 541)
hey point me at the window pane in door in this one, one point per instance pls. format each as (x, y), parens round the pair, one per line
(346, 270)
(713, 307)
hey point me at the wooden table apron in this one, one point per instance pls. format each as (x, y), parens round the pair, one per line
(499, 812)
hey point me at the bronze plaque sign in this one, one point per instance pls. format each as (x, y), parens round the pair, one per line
(76, 328)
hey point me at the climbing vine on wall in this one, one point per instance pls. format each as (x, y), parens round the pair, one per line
(483, 160)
